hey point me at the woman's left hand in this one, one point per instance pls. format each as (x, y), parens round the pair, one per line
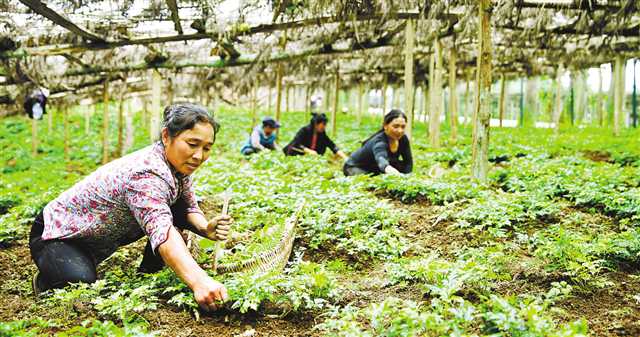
(219, 227)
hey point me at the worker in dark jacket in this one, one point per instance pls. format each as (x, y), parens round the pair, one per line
(312, 139)
(386, 151)
(35, 103)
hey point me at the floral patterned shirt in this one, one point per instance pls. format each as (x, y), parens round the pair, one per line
(121, 202)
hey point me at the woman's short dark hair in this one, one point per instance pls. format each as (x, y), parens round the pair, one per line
(318, 118)
(180, 117)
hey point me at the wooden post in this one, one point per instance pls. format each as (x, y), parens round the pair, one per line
(307, 98)
(65, 121)
(481, 138)
(436, 97)
(425, 103)
(254, 97)
(600, 99)
(467, 106)
(156, 112)
(50, 120)
(269, 94)
(409, 35)
(360, 101)
(144, 116)
(453, 94)
(287, 97)
(105, 122)
(87, 119)
(558, 108)
(385, 84)
(34, 137)
(336, 103)
(634, 99)
(618, 94)
(121, 118)
(170, 91)
(365, 105)
(278, 91)
(395, 97)
(503, 86)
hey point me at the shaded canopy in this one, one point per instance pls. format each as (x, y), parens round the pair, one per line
(229, 46)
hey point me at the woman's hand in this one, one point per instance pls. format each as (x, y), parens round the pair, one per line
(391, 170)
(310, 151)
(219, 227)
(210, 294)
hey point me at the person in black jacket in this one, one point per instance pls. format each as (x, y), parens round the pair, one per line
(312, 139)
(35, 104)
(382, 152)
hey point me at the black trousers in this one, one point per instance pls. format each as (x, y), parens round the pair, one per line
(61, 262)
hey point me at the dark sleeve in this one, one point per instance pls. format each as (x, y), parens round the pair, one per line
(379, 148)
(407, 158)
(299, 138)
(331, 144)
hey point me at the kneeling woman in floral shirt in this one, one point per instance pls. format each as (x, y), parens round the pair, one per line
(148, 192)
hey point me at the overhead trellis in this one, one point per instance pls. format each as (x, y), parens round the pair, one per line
(78, 44)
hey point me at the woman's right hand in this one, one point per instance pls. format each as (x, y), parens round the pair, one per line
(391, 170)
(210, 294)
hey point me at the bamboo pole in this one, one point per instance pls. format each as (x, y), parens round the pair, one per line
(105, 122)
(307, 98)
(557, 112)
(453, 95)
(502, 94)
(408, 75)
(436, 97)
(618, 94)
(481, 139)
(336, 104)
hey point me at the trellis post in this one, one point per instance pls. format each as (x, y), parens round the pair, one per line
(481, 138)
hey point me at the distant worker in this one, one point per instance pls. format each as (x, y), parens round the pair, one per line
(262, 137)
(146, 193)
(382, 152)
(35, 104)
(312, 139)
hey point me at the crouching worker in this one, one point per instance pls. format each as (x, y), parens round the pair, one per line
(386, 151)
(262, 137)
(312, 139)
(148, 192)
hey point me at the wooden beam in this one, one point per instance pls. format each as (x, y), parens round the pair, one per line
(263, 28)
(173, 7)
(38, 7)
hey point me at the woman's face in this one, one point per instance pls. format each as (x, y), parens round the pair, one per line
(395, 129)
(320, 127)
(189, 149)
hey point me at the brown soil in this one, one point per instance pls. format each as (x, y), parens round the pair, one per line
(611, 311)
(597, 156)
